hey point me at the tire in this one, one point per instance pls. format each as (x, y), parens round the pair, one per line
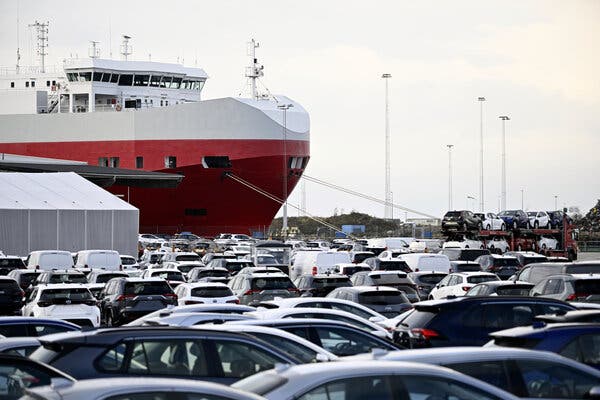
(503, 227)
(515, 225)
(109, 319)
(488, 227)
(536, 225)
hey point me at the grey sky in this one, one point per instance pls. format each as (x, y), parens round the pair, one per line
(536, 61)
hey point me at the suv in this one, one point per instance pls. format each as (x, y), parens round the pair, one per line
(387, 301)
(456, 254)
(378, 264)
(71, 302)
(394, 279)
(468, 321)
(251, 289)
(515, 219)
(11, 296)
(503, 266)
(222, 357)
(425, 281)
(208, 274)
(9, 263)
(577, 287)
(320, 285)
(461, 221)
(125, 299)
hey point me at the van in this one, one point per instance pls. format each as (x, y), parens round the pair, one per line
(317, 262)
(426, 262)
(108, 260)
(47, 260)
(536, 272)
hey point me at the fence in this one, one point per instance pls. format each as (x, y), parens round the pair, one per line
(589, 246)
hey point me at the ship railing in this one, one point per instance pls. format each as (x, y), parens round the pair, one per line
(33, 69)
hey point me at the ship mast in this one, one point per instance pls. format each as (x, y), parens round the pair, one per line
(126, 49)
(42, 42)
(255, 70)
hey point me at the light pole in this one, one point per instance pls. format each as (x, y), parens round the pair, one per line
(522, 206)
(504, 118)
(284, 108)
(388, 200)
(471, 198)
(449, 176)
(555, 202)
(481, 100)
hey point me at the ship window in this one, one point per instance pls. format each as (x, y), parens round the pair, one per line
(195, 212)
(170, 162)
(27, 84)
(32, 83)
(155, 80)
(85, 76)
(139, 162)
(114, 162)
(114, 78)
(97, 76)
(176, 83)
(102, 161)
(304, 162)
(166, 102)
(185, 84)
(72, 76)
(126, 80)
(12, 84)
(216, 162)
(53, 83)
(161, 103)
(47, 83)
(166, 82)
(141, 80)
(106, 77)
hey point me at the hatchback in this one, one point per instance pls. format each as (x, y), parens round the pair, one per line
(254, 288)
(425, 281)
(576, 287)
(387, 301)
(395, 279)
(11, 296)
(320, 285)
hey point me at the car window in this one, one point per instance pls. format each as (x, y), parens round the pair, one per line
(304, 354)
(170, 395)
(14, 378)
(368, 387)
(345, 342)
(584, 348)
(41, 329)
(240, 360)
(351, 309)
(113, 359)
(501, 316)
(167, 357)
(429, 387)
(298, 331)
(492, 372)
(15, 330)
(550, 380)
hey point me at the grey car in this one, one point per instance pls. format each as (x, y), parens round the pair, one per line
(396, 279)
(566, 287)
(425, 281)
(387, 301)
(251, 289)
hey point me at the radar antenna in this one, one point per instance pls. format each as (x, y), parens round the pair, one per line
(94, 50)
(126, 49)
(255, 70)
(42, 42)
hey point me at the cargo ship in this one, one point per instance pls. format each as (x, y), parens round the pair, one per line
(145, 115)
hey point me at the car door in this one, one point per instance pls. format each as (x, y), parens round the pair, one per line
(438, 290)
(493, 372)
(584, 348)
(455, 286)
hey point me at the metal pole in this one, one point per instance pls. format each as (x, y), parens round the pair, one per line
(522, 203)
(284, 227)
(555, 202)
(504, 118)
(450, 176)
(388, 200)
(481, 100)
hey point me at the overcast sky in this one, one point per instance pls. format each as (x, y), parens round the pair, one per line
(535, 61)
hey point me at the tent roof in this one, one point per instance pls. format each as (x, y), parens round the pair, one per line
(52, 191)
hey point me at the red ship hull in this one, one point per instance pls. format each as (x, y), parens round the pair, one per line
(206, 202)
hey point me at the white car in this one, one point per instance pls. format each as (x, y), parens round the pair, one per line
(129, 262)
(167, 274)
(368, 379)
(70, 302)
(204, 293)
(392, 253)
(498, 243)
(464, 243)
(492, 222)
(548, 243)
(149, 239)
(227, 308)
(539, 219)
(182, 266)
(457, 284)
(193, 319)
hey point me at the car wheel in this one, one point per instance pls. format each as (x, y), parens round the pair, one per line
(488, 227)
(109, 319)
(467, 246)
(536, 224)
(503, 227)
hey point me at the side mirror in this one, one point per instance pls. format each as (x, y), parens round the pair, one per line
(321, 358)
(594, 393)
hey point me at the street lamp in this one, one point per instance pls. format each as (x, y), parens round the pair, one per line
(504, 118)
(284, 108)
(481, 100)
(388, 198)
(522, 207)
(471, 198)
(449, 176)
(555, 202)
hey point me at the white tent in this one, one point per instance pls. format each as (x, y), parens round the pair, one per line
(42, 211)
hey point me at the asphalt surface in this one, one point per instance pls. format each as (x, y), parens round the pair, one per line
(588, 256)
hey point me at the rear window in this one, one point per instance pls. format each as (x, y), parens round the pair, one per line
(331, 282)
(514, 290)
(394, 266)
(103, 278)
(236, 267)
(127, 261)
(419, 318)
(358, 258)
(186, 268)
(188, 257)
(353, 270)
(211, 292)
(213, 274)
(65, 296)
(28, 278)
(582, 269)
(68, 278)
(382, 297)
(587, 286)
(472, 254)
(467, 267)
(506, 262)
(431, 279)
(383, 279)
(170, 276)
(8, 287)
(452, 214)
(147, 288)
(11, 263)
(481, 278)
(271, 283)
(531, 260)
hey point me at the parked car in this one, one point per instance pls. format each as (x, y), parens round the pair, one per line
(173, 276)
(386, 300)
(31, 326)
(9, 263)
(498, 244)
(457, 284)
(203, 293)
(109, 260)
(57, 277)
(70, 302)
(526, 257)
(174, 352)
(125, 299)
(425, 246)
(320, 285)
(103, 276)
(150, 259)
(534, 273)
(129, 262)
(539, 219)
(467, 321)
(500, 288)
(11, 296)
(369, 379)
(567, 287)
(461, 221)
(254, 288)
(377, 264)
(395, 279)
(46, 260)
(456, 254)
(140, 388)
(501, 265)
(579, 342)
(24, 277)
(425, 281)
(310, 262)
(491, 222)
(426, 262)
(548, 243)
(339, 338)
(556, 218)
(208, 274)
(515, 219)
(524, 373)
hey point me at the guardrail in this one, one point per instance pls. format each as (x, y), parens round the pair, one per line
(590, 246)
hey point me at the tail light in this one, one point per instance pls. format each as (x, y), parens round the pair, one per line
(466, 288)
(170, 295)
(90, 303)
(124, 297)
(251, 292)
(314, 270)
(236, 301)
(576, 296)
(294, 290)
(425, 333)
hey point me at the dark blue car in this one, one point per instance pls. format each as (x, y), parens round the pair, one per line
(578, 341)
(32, 326)
(515, 219)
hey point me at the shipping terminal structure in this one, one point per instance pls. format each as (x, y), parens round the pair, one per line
(236, 158)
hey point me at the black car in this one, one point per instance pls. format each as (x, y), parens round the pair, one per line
(11, 296)
(208, 274)
(126, 299)
(387, 301)
(468, 321)
(34, 326)
(378, 264)
(456, 254)
(24, 277)
(9, 263)
(20, 373)
(174, 352)
(463, 221)
(502, 265)
(320, 285)
(526, 257)
(515, 219)
(425, 281)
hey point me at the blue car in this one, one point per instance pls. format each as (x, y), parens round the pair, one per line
(515, 219)
(32, 326)
(578, 341)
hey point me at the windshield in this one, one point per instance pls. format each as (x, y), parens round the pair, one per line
(68, 278)
(188, 257)
(271, 283)
(62, 296)
(508, 213)
(482, 278)
(103, 278)
(170, 275)
(211, 292)
(186, 268)
(382, 297)
(147, 288)
(331, 282)
(213, 274)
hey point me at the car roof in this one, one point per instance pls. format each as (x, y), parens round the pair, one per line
(473, 273)
(541, 328)
(367, 289)
(194, 285)
(63, 286)
(293, 322)
(26, 320)
(138, 280)
(268, 275)
(486, 299)
(506, 283)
